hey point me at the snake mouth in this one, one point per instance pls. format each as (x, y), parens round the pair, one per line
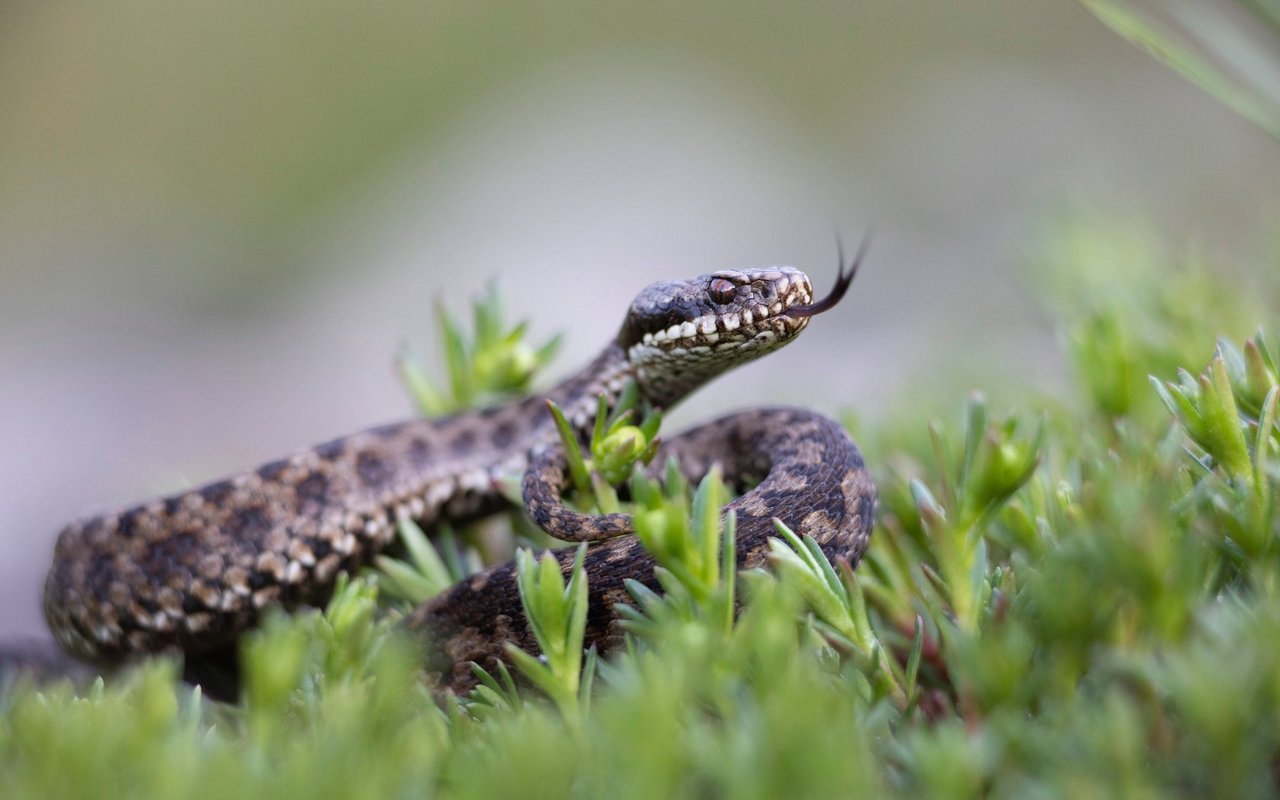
(717, 329)
(843, 280)
(729, 309)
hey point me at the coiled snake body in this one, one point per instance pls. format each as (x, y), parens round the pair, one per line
(193, 570)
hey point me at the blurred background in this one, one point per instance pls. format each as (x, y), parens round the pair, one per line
(219, 220)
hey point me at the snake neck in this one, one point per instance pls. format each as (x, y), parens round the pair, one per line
(607, 374)
(662, 384)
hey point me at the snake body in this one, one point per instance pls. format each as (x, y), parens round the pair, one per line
(193, 570)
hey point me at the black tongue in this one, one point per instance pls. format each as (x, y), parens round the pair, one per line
(843, 280)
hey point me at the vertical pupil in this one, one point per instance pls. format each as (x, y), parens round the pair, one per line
(722, 290)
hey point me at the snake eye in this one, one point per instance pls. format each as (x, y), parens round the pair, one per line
(722, 290)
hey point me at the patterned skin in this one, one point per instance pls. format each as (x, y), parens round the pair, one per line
(193, 570)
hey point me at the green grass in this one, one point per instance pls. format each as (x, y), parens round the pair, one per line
(1079, 597)
(1227, 49)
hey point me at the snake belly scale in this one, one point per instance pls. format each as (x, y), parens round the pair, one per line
(193, 570)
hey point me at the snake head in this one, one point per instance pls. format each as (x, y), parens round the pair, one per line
(679, 334)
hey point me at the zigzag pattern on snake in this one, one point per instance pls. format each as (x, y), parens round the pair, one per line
(193, 570)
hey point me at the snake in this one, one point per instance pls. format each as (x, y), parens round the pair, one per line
(194, 570)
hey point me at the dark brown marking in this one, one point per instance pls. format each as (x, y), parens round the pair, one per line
(162, 555)
(388, 431)
(126, 524)
(248, 524)
(332, 451)
(373, 471)
(504, 434)
(420, 453)
(216, 493)
(270, 472)
(463, 441)
(313, 490)
(92, 528)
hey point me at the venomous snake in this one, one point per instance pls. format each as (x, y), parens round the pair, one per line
(193, 570)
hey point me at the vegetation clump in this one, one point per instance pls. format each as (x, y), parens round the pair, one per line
(1078, 598)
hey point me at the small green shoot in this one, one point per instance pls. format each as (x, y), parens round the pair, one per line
(493, 364)
(837, 601)
(615, 448)
(557, 615)
(420, 578)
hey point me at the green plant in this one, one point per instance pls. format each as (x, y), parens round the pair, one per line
(1226, 48)
(493, 364)
(1077, 598)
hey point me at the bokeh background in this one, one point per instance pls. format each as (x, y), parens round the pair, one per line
(218, 220)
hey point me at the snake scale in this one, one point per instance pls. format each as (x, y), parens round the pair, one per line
(194, 570)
